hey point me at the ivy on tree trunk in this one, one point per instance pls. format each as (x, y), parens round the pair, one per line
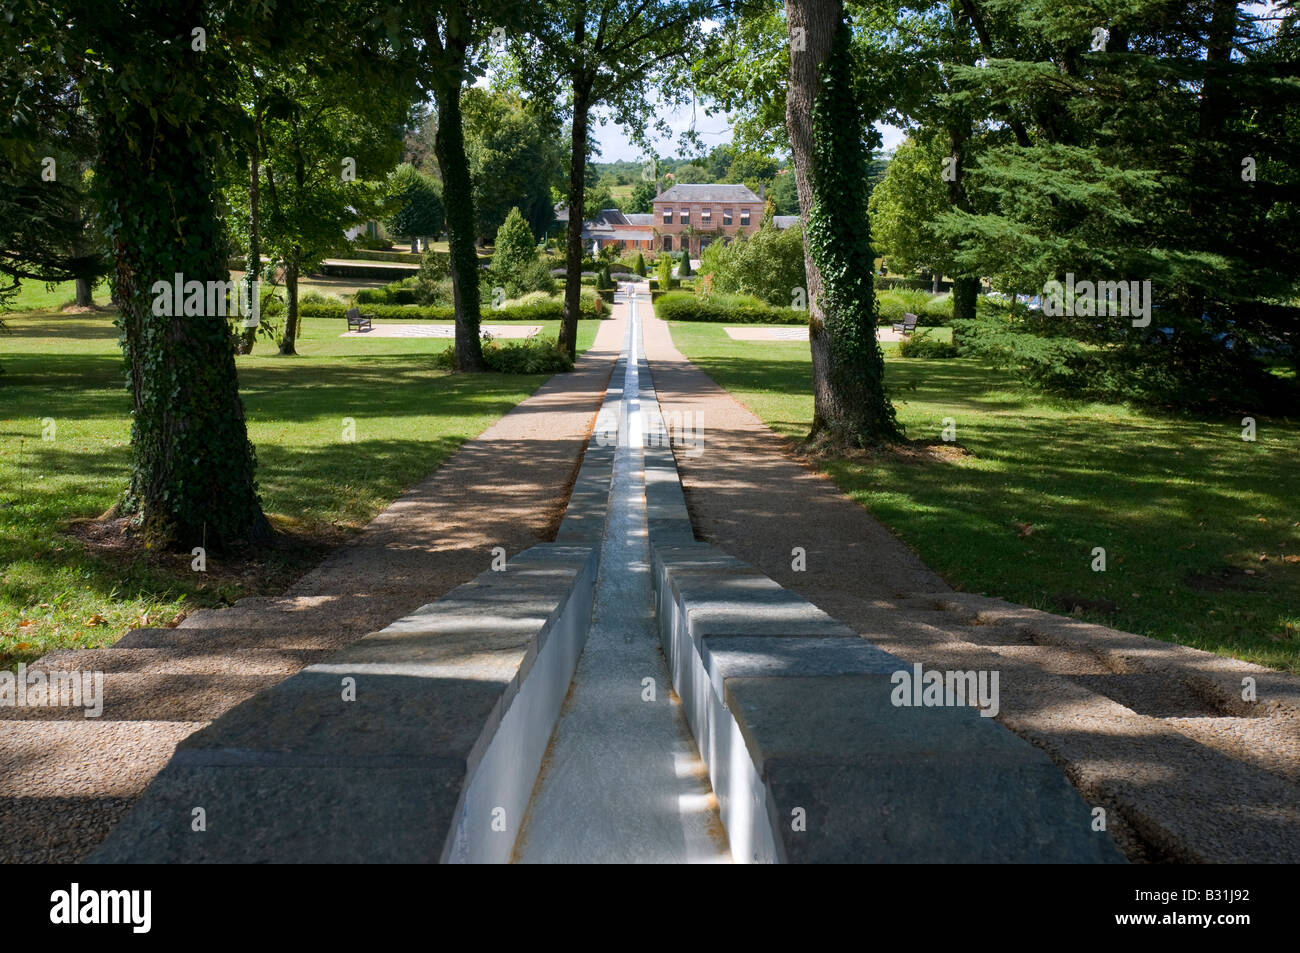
(192, 477)
(825, 123)
(568, 340)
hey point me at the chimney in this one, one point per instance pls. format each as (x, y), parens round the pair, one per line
(762, 190)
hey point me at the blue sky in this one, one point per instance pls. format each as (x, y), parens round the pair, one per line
(714, 130)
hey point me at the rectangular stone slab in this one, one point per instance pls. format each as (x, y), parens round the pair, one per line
(767, 656)
(344, 811)
(883, 784)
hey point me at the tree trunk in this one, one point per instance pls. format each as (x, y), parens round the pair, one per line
(192, 474)
(449, 146)
(85, 292)
(816, 19)
(964, 287)
(577, 202)
(291, 268)
(935, 281)
(849, 403)
(253, 272)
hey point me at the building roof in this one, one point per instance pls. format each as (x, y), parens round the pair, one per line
(708, 193)
(638, 218)
(785, 221)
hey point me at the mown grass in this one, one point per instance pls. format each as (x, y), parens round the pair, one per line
(67, 369)
(1201, 529)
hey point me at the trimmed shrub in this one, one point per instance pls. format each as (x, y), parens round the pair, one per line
(531, 356)
(720, 308)
(639, 267)
(549, 309)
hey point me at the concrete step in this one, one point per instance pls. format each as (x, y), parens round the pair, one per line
(228, 639)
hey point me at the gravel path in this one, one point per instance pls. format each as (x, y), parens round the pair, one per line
(1154, 733)
(65, 779)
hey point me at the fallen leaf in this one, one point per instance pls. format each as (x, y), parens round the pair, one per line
(1025, 529)
(25, 623)
(23, 646)
(96, 619)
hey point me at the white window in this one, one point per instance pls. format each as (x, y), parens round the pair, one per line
(705, 216)
(684, 216)
(668, 216)
(744, 216)
(726, 216)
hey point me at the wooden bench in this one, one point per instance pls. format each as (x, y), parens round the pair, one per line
(908, 324)
(358, 321)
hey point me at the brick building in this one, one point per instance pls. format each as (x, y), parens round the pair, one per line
(690, 217)
(685, 217)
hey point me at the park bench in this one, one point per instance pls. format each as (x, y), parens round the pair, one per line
(907, 325)
(358, 321)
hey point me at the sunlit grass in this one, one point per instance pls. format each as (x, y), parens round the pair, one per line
(67, 370)
(1201, 529)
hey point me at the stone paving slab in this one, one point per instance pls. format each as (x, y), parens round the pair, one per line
(367, 748)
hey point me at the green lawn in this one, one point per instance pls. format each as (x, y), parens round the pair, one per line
(68, 368)
(1201, 529)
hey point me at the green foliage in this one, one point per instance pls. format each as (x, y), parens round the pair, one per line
(768, 264)
(416, 204)
(515, 156)
(515, 245)
(784, 194)
(530, 356)
(839, 238)
(684, 264)
(922, 344)
(433, 281)
(642, 199)
(930, 310)
(1217, 379)
(516, 265)
(907, 203)
(639, 268)
(664, 271)
(726, 308)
